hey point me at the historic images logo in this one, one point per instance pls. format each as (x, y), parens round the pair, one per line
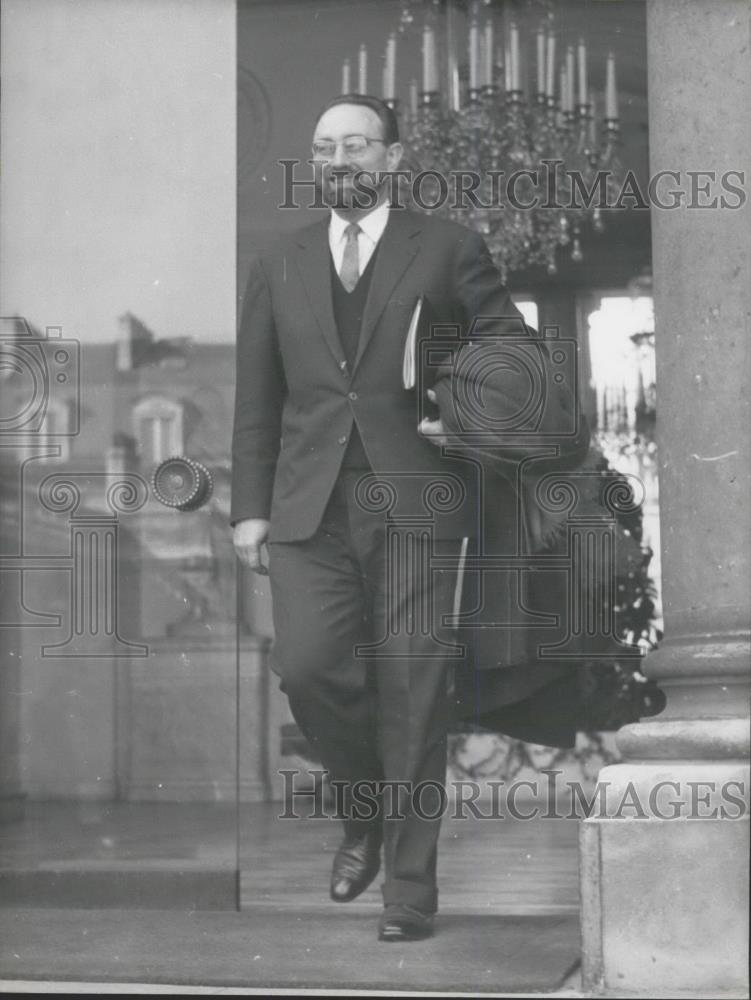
(41, 411)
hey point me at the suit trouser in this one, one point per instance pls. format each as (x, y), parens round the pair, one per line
(379, 714)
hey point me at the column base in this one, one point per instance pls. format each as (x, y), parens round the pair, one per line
(665, 900)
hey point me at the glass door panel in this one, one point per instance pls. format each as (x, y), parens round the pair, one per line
(118, 696)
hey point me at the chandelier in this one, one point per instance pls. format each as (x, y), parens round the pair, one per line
(505, 110)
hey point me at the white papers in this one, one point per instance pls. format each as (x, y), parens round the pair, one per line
(409, 364)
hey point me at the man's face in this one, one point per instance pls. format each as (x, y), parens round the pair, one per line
(335, 172)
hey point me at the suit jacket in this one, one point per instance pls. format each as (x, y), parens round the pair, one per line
(296, 402)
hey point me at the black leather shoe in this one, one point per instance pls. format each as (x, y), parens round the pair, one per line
(356, 864)
(404, 923)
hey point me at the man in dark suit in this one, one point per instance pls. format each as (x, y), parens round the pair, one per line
(331, 469)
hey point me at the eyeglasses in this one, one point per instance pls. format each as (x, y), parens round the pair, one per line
(353, 145)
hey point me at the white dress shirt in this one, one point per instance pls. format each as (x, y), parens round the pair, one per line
(371, 226)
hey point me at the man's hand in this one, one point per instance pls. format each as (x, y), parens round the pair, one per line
(248, 537)
(433, 430)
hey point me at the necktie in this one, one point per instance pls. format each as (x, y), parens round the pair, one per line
(350, 272)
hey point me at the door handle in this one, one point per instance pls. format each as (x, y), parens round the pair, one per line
(182, 483)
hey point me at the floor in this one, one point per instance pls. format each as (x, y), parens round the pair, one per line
(144, 893)
(166, 989)
(501, 866)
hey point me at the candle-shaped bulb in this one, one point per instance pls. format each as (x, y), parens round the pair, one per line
(516, 77)
(541, 61)
(362, 65)
(474, 55)
(389, 72)
(564, 90)
(429, 68)
(582, 73)
(489, 52)
(413, 97)
(611, 93)
(550, 71)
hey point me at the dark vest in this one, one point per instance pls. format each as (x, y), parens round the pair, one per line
(348, 312)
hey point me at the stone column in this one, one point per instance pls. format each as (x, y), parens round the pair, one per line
(665, 900)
